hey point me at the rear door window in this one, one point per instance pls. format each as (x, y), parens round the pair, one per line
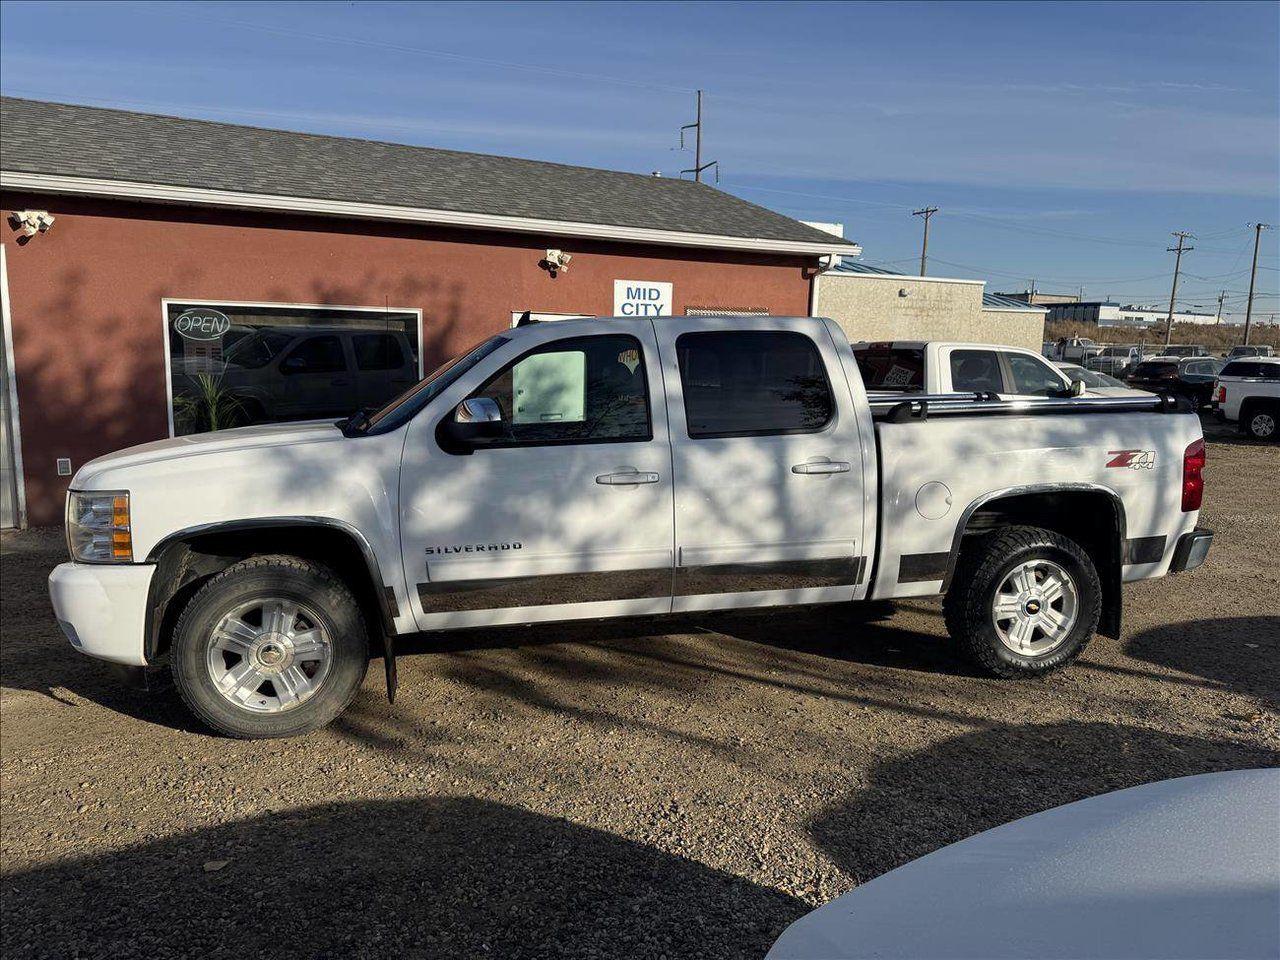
(753, 383)
(377, 351)
(315, 355)
(976, 371)
(899, 368)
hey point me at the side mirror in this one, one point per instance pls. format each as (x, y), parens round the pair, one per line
(475, 422)
(478, 410)
(1077, 388)
(294, 364)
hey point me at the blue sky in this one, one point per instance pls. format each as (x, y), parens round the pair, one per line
(1062, 142)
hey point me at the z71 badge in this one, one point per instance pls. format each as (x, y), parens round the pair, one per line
(1132, 459)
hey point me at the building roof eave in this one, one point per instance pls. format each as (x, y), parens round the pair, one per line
(199, 196)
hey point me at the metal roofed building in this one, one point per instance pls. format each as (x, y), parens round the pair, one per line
(877, 303)
(1110, 313)
(141, 252)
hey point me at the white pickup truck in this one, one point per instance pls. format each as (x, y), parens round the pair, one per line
(934, 366)
(609, 468)
(1247, 392)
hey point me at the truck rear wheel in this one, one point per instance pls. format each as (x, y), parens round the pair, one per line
(1024, 601)
(1260, 422)
(273, 646)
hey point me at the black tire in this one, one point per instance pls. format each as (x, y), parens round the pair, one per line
(1261, 421)
(983, 567)
(291, 579)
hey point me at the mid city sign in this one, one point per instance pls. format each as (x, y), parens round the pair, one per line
(641, 298)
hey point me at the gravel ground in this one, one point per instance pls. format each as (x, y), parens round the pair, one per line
(629, 790)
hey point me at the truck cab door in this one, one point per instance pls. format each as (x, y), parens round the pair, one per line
(566, 511)
(767, 455)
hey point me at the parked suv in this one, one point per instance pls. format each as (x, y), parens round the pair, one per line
(1248, 392)
(1251, 350)
(1190, 377)
(1184, 350)
(292, 373)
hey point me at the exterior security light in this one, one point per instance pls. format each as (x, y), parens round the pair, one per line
(557, 260)
(31, 222)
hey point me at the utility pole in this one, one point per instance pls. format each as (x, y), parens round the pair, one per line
(1253, 275)
(698, 165)
(927, 212)
(1222, 296)
(1031, 292)
(1182, 236)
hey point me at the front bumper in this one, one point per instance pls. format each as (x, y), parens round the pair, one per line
(1191, 550)
(102, 608)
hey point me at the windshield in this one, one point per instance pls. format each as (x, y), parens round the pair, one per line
(424, 391)
(1091, 378)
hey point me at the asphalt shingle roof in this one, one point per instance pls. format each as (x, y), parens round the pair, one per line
(77, 141)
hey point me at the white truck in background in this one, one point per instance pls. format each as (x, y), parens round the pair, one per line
(1247, 392)
(937, 367)
(613, 468)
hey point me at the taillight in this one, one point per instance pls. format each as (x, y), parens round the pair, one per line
(1193, 476)
(1222, 394)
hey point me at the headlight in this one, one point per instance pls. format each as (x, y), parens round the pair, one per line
(98, 528)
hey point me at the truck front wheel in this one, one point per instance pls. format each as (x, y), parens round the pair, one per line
(1023, 601)
(273, 646)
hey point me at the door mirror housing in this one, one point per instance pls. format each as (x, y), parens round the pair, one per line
(294, 364)
(475, 422)
(478, 410)
(1076, 389)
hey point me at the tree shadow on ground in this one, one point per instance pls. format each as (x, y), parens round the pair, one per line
(923, 801)
(437, 877)
(1241, 654)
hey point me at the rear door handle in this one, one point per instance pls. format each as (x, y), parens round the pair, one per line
(822, 466)
(626, 478)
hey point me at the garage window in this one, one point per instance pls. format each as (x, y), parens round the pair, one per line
(235, 364)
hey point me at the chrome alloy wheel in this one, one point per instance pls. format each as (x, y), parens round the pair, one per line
(269, 655)
(1035, 608)
(1262, 425)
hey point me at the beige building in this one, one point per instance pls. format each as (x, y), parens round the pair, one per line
(871, 303)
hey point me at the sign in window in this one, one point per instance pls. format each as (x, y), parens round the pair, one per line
(234, 365)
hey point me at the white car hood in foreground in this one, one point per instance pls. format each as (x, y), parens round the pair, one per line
(1181, 868)
(221, 441)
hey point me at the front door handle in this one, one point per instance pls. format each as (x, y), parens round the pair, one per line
(626, 478)
(822, 466)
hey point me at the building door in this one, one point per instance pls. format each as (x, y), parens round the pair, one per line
(10, 478)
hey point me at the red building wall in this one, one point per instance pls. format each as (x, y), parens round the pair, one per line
(88, 331)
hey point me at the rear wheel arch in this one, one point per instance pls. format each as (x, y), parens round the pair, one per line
(1092, 516)
(186, 560)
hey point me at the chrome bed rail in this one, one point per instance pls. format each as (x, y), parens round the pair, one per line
(899, 408)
